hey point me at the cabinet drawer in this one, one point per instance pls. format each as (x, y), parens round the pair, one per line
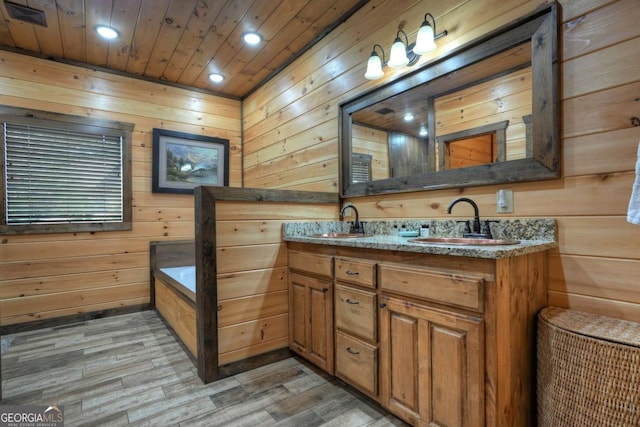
(311, 263)
(357, 363)
(461, 290)
(356, 311)
(360, 272)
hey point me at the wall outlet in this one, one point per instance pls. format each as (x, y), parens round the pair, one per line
(504, 201)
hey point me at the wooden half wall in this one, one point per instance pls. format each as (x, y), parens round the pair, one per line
(241, 273)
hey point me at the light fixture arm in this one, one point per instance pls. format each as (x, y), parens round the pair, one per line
(406, 39)
(384, 59)
(436, 36)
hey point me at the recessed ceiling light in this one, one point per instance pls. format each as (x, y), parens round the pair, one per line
(252, 38)
(107, 32)
(216, 77)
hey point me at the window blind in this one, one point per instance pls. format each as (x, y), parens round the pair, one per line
(360, 167)
(61, 175)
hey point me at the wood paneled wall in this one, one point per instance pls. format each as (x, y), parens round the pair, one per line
(374, 142)
(53, 275)
(507, 97)
(252, 274)
(291, 132)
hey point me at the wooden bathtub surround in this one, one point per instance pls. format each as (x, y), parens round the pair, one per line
(179, 314)
(171, 299)
(435, 339)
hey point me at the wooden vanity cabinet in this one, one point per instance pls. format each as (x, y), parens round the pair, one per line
(311, 308)
(440, 340)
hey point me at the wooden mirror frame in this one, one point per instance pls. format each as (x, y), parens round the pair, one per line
(541, 29)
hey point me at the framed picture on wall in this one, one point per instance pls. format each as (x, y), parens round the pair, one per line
(183, 161)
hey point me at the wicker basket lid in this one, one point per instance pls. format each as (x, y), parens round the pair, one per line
(593, 325)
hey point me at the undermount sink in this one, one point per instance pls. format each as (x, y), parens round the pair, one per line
(339, 235)
(464, 241)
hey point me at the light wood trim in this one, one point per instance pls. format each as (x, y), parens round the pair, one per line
(253, 257)
(247, 283)
(253, 307)
(254, 332)
(450, 288)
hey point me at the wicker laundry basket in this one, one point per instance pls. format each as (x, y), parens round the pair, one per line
(588, 370)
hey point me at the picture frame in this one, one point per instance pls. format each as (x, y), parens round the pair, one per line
(184, 161)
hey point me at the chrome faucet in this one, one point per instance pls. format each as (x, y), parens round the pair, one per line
(356, 225)
(475, 230)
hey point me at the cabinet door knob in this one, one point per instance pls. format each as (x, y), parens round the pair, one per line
(382, 305)
(325, 290)
(352, 351)
(352, 302)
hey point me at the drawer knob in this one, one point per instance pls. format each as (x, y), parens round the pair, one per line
(352, 351)
(352, 302)
(351, 273)
(382, 305)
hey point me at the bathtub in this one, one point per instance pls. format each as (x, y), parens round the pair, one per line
(184, 276)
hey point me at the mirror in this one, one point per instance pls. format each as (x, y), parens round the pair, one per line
(486, 113)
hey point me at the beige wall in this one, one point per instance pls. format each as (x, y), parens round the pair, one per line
(51, 275)
(291, 131)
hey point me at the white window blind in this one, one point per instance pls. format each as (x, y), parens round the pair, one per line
(57, 175)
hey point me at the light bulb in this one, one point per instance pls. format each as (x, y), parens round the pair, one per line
(398, 56)
(374, 67)
(425, 40)
(216, 77)
(107, 32)
(252, 38)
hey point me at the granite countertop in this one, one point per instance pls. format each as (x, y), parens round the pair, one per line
(534, 235)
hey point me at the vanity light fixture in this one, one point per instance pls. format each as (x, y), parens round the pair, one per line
(402, 53)
(107, 32)
(216, 77)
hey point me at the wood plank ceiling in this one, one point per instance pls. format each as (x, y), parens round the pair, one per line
(177, 41)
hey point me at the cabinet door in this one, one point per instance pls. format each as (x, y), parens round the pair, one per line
(311, 319)
(431, 364)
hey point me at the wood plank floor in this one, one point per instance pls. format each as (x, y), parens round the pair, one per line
(130, 370)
